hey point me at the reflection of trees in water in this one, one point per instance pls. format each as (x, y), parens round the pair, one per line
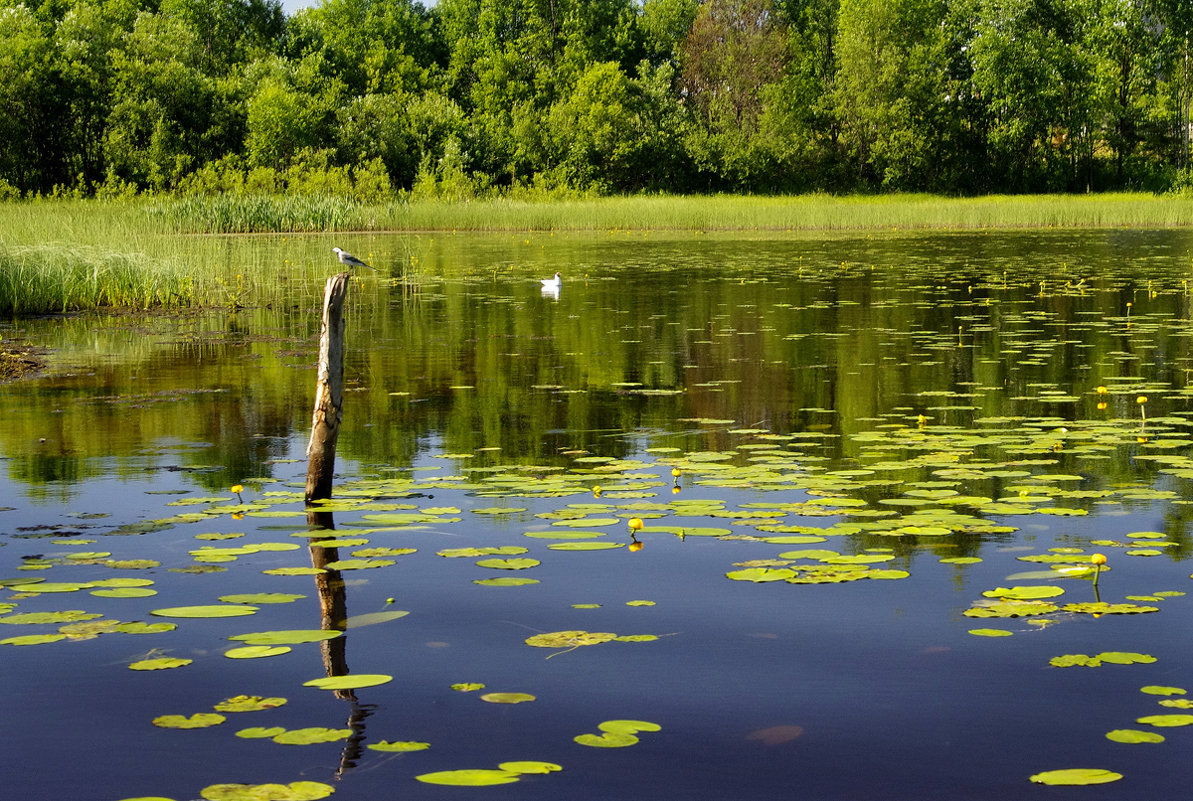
(333, 611)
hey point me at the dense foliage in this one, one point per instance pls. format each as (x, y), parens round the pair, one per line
(364, 97)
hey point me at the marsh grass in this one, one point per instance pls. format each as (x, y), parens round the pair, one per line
(55, 278)
(63, 255)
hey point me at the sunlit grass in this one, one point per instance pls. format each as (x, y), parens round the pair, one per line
(62, 255)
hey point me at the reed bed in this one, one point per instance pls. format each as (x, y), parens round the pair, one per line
(51, 278)
(62, 255)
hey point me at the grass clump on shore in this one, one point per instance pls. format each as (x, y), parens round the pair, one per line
(57, 278)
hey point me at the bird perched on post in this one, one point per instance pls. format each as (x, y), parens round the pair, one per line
(348, 260)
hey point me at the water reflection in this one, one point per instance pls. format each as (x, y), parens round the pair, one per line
(654, 334)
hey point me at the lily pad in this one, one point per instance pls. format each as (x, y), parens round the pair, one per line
(349, 682)
(248, 703)
(161, 663)
(295, 791)
(1076, 776)
(510, 581)
(200, 720)
(312, 736)
(1166, 721)
(1134, 736)
(399, 747)
(507, 698)
(477, 777)
(214, 610)
(257, 651)
(287, 637)
(261, 598)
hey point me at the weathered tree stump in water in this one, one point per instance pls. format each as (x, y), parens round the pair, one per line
(329, 394)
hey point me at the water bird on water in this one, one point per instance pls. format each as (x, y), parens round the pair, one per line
(348, 260)
(552, 283)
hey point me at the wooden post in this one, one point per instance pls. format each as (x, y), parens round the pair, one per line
(329, 394)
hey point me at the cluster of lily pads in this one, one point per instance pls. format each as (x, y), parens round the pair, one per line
(912, 486)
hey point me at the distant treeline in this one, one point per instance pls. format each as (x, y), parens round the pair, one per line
(365, 98)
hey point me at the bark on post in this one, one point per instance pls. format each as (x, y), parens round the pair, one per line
(329, 394)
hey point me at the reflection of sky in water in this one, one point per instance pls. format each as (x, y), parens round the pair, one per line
(876, 686)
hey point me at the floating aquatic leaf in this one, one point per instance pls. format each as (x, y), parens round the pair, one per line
(349, 682)
(506, 582)
(161, 663)
(467, 687)
(257, 651)
(563, 535)
(508, 564)
(504, 550)
(359, 564)
(138, 627)
(1076, 776)
(287, 637)
(507, 698)
(295, 791)
(56, 586)
(761, 574)
(1166, 721)
(66, 616)
(260, 732)
(478, 777)
(637, 638)
(990, 632)
(1012, 609)
(33, 639)
(607, 740)
(1110, 609)
(1030, 593)
(639, 603)
(261, 598)
(585, 546)
(215, 610)
(373, 618)
(1154, 689)
(530, 766)
(1134, 736)
(569, 639)
(294, 571)
(628, 726)
(248, 703)
(399, 746)
(200, 720)
(311, 736)
(1125, 658)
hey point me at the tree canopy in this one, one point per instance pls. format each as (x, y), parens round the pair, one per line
(475, 96)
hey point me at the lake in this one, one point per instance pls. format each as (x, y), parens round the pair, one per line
(871, 472)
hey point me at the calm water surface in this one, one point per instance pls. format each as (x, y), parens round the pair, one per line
(877, 377)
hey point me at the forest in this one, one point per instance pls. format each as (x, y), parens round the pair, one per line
(472, 98)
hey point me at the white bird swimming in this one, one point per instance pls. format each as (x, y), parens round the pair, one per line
(552, 283)
(348, 260)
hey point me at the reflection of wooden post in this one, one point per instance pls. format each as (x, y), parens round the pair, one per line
(329, 395)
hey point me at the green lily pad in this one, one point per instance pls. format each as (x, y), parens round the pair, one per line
(294, 571)
(1076, 776)
(287, 637)
(33, 639)
(508, 564)
(260, 732)
(349, 682)
(990, 632)
(1154, 689)
(137, 627)
(66, 616)
(257, 651)
(467, 687)
(628, 726)
(1030, 593)
(373, 618)
(478, 777)
(124, 592)
(569, 639)
(312, 736)
(585, 546)
(507, 698)
(248, 703)
(214, 610)
(607, 740)
(1134, 736)
(510, 581)
(161, 663)
(1166, 721)
(295, 791)
(398, 747)
(200, 720)
(530, 766)
(261, 598)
